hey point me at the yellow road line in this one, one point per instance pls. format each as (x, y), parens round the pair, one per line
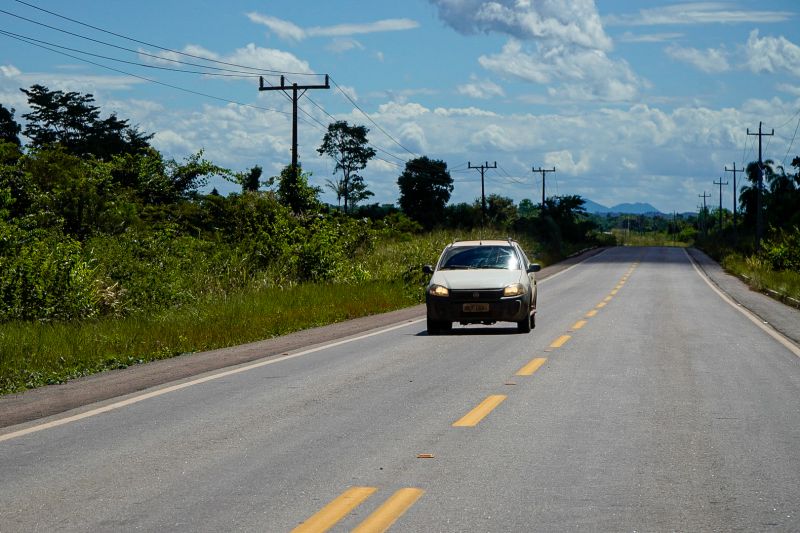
(472, 418)
(600, 305)
(591, 313)
(327, 517)
(608, 298)
(579, 324)
(614, 292)
(388, 513)
(559, 342)
(531, 367)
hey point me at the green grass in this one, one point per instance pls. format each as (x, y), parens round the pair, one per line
(761, 277)
(34, 354)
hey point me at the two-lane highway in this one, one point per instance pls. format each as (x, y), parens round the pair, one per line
(642, 401)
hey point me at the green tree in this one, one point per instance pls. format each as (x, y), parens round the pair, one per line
(73, 121)
(425, 187)
(295, 192)
(250, 180)
(9, 129)
(349, 147)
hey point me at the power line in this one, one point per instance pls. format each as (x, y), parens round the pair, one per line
(121, 36)
(370, 118)
(150, 80)
(783, 163)
(136, 63)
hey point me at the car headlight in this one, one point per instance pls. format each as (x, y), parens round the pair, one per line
(514, 290)
(438, 290)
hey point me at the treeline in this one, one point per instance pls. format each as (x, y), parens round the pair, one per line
(95, 222)
(778, 246)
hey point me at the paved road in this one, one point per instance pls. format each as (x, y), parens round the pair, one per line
(641, 402)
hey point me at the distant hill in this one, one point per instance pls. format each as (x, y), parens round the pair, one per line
(627, 209)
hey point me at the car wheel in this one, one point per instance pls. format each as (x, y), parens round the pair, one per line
(524, 325)
(436, 327)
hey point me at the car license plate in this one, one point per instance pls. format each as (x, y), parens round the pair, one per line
(475, 308)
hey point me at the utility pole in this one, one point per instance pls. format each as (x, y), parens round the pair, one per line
(720, 183)
(735, 193)
(543, 171)
(294, 97)
(705, 210)
(759, 218)
(483, 169)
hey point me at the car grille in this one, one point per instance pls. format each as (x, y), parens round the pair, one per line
(483, 295)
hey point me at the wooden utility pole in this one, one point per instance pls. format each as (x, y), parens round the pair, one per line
(705, 210)
(543, 171)
(720, 183)
(759, 216)
(735, 193)
(483, 169)
(294, 97)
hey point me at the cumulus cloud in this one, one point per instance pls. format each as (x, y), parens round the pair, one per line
(696, 13)
(576, 22)
(772, 54)
(629, 37)
(710, 61)
(341, 45)
(550, 42)
(586, 74)
(288, 30)
(482, 89)
(563, 161)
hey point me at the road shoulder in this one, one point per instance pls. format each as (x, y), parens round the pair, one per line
(781, 317)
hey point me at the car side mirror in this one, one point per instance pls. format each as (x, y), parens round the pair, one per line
(427, 269)
(534, 267)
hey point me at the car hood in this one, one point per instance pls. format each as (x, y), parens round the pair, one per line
(477, 278)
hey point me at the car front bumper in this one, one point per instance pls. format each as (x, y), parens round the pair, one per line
(449, 309)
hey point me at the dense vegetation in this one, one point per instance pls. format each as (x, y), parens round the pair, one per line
(110, 254)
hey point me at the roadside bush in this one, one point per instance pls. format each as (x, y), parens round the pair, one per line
(782, 251)
(44, 276)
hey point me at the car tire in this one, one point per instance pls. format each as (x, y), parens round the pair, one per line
(435, 327)
(524, 325)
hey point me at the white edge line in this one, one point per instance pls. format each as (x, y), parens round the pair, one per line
(789, 345)
(198, 381)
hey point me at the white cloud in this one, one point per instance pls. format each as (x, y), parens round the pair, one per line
(789, 89)
(710, 61)
(341, 45)
(481, 89)
(563, 161)
(772, 54)
(493, 137)
(464, 112)
(288, 30)
(9, 71)
(587, 74)
(696, 13)
(576, 22)
(629, 37)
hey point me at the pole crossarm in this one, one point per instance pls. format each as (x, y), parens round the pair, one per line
(735, 191)
(295, 96)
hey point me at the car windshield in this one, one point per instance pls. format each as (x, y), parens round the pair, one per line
(464, 257)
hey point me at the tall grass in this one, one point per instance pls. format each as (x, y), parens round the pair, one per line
(34, 353)
(760, 276)
(651, 238)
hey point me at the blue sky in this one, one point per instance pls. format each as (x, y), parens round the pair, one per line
(631, 101)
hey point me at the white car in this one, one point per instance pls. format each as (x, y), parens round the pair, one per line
(481, 282)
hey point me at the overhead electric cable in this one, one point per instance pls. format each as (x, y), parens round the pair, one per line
(144, 78)
(370, 118)
(121, 36)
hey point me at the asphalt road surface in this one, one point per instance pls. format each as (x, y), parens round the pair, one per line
(642, 401)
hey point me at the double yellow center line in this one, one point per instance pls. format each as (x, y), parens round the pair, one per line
(379, 521)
